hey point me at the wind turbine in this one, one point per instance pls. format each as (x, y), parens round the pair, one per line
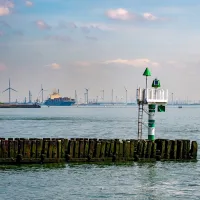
(9, 89)
(76, 97)
(42, 91)
(112, 96)
(87, 89)
(102, 94)
(126, 93)
(30, 97)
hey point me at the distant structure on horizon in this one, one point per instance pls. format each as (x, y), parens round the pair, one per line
(9, 91)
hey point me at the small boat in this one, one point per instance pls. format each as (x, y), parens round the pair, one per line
(179, 106)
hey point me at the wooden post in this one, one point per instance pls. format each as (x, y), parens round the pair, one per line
(107, 148)
(11, 149)
(46, 147)
(54, 149)
(71, 148)
(50, 149)
(81, 148)
(154, 148)
(86, 151)
(124, 155)
(149, 148)
(140, 148)
(174, 150)
(39, 148)
(33, 149)
(98, 149)
(179, 149)
(162, 152)
(168, 145)
(112, 148)
(116, 152)
(121, 150)
(144, 149)
(132, 149)
(59, 149)
(186, 149)
(4, 146)
(76, 148)
(27, 148)
(128, 149)
(21, 147)
(194, 149)
(103, 147)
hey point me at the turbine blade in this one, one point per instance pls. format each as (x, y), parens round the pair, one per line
(5, 90)
(13, 89)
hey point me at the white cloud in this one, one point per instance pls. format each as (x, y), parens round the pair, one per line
(143, 62)
(2, 67)
(55, 66)
(125, 15)
(5, 7)
(149, 17)
(42, 25)
(29, 3)
(119, 13)
(82, 63)
(4, 11)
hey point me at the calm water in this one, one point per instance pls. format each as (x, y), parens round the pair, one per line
(160, 180)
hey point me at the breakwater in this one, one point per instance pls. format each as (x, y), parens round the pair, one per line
(6, 105)
(54, 150)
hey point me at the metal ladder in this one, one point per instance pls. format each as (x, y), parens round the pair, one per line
(140, 119)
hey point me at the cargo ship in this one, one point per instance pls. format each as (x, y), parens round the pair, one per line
(56, 100)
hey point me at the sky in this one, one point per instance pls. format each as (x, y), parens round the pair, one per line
(101, 45)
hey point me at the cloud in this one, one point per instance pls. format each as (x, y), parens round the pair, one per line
(125, 15)
(82, 63)
(4, 25)
(4, 11)
(119, 13)
(85, 28)
(2, 67)
(55, 66)
(67, 25)
(142, 62)
(42, 25)
(149, 17)
(91, 38)
(29, 3)
(5, 7)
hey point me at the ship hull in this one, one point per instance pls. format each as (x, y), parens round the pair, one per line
(51, 103)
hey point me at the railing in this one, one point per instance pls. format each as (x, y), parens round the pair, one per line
(156, 95)
(152, 95)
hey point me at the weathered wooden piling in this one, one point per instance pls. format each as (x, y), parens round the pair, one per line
(47, 150)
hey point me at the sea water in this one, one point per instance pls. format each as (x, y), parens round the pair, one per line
(160, 180)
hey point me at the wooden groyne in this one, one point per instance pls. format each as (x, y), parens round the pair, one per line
(6, 105)
(54, 150)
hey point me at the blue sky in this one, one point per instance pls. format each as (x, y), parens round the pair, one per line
(104, 44)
